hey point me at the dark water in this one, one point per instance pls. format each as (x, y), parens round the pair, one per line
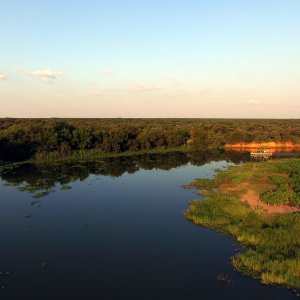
(119, 233)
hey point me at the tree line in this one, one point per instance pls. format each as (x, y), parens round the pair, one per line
(22, 139)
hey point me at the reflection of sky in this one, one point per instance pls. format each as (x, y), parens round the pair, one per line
(150, 58)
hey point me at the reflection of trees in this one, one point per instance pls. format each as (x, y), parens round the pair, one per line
(201, 158)
(162, 161)
(44, 176)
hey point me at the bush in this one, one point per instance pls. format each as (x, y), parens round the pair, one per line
(279, 197)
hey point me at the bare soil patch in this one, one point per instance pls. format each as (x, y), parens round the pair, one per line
(253, 199)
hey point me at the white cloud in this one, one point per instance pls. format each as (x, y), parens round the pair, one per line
(46, 75)
(140, 87)
(3, 76)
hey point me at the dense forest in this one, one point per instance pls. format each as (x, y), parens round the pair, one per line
(22, 139)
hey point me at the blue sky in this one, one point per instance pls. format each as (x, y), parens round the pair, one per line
(150, 58)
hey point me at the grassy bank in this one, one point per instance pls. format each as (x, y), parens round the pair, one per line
(271, 242)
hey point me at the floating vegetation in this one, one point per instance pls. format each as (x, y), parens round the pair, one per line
(28, 188)
(225, 279)
(65, 187)
(41, 194)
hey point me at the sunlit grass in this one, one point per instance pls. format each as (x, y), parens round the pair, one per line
(271, 243)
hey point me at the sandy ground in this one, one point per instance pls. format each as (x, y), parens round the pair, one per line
(254, 201)
(252, 198)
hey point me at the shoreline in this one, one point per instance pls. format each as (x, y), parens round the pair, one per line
(93, 155)
(270, 238)
(287, 146)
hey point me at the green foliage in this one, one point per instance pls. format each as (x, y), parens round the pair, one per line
(235, 174)
(201, 183)
(22, 139)
(287, 189)
(271, 243)
(278, 179)
(278, 197)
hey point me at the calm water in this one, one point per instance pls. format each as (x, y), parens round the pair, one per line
(119, 233)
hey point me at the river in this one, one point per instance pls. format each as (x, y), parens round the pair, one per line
(114, 229)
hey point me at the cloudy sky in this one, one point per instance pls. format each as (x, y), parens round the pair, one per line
(158, 58)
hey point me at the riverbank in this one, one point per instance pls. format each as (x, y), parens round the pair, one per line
(270, 239)
(273, 146)
(44, 158)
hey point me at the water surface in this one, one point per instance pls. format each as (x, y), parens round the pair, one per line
(119, 233)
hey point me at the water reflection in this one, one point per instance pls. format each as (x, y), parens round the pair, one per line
(41, 179)
(115, 237)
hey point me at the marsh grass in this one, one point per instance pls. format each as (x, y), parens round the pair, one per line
(207, 184)
(271, 243)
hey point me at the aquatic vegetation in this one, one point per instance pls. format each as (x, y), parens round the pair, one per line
(271, 242)
(41, 194)
(201, 183)
(223, 278)
(65, 187)
(28, 188)
(34, 188)
(39, 184)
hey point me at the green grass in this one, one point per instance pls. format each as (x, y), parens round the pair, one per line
(271, 243)
(207, 184)
(287, 185)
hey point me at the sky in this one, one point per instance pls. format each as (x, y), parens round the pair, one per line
(158, 58)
